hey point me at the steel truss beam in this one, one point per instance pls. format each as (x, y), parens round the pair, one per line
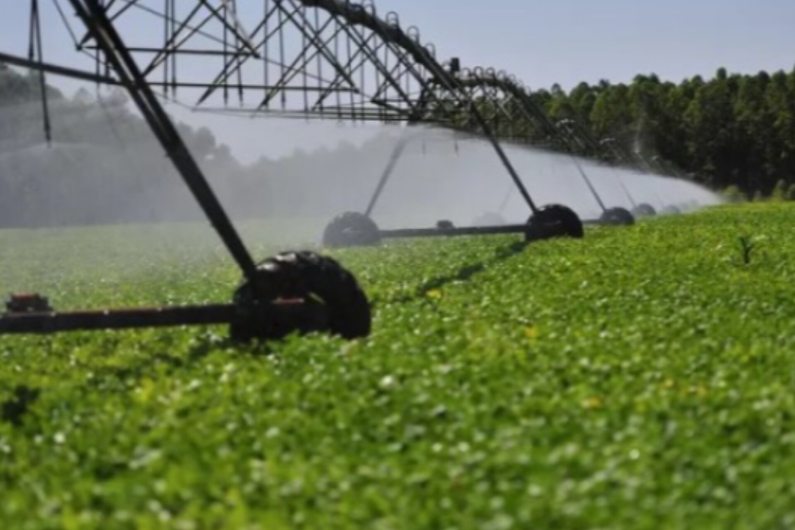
(119, 59)
(332, 59)
(532, 119)
(310, 59)
(347, 63)
(503, 108)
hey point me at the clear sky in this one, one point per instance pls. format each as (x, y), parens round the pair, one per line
(543, 42)
(568, 41)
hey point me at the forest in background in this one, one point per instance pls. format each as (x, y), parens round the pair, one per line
(732, 131)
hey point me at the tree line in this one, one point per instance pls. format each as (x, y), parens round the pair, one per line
(733, 130)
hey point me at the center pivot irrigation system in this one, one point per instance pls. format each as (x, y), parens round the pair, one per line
(502, 110)
(305, 59)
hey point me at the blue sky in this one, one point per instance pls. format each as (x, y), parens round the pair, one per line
(549, 41)
(567, 41)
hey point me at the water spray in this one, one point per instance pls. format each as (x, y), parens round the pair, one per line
(564, 129)
(610, 144)
(458, 92)
(291, 292)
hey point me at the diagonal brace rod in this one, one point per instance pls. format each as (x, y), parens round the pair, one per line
(118, 56)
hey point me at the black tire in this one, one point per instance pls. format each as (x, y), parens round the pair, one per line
(490, 219)
(308, 276)
(444, 224)
(351, 229)
(554, 220)
(618, 216)
(670, 210)
(644, 210)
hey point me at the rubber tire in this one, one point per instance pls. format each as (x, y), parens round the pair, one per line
(444, 224)
(670, 210)
(490, 219)
(644, 210)
(351, 229)
(554, 220)
(618, 216)
(305, 274)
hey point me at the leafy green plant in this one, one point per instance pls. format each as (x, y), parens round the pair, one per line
(572, 384)
(746, 247)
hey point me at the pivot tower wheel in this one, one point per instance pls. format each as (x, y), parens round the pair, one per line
(618, 216)
(644, 210)
(554, 220)
(671, 210)
(300, 292)
(351, 229)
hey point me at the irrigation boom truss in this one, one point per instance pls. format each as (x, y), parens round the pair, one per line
(305, 59)
(514, 117)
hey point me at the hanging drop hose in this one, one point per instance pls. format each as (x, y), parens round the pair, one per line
(397, 152)
(35, 52)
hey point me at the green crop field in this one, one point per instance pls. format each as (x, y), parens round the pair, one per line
(643, 377)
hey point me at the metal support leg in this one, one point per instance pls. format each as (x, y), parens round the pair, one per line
(117, 54)
(569, 140)
(589, 184)
(390, 168)
(503, 157)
